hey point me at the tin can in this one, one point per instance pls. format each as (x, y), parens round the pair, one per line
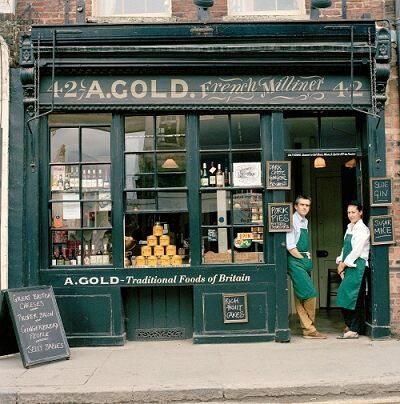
(165, 261)
(151, 241)
(152, 261)
(171, 250)
(176, 260)
(140, 261)
(146, 250)
(157, 229)
(158, 250)
(164, 240)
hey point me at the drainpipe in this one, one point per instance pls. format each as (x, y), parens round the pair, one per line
(397, 23)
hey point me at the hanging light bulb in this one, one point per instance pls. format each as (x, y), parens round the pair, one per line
(319, 162)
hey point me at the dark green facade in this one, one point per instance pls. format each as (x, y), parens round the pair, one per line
(144, 69)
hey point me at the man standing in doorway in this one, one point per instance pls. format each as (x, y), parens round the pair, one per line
(300, 267)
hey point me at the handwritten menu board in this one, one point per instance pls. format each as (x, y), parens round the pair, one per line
(280, 217)
(381, 191)
(37, 325)
(382, 231)
(235, 307)
(278, 174)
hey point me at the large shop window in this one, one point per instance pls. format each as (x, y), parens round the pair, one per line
(156, 198)
(266, 7)
(231, 189)
(80, 190)
(126, 8)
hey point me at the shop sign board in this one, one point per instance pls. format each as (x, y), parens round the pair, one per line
(280, 217)
(382, 231)
(235, 307)
(381, 191)
(278, 174)
(37, 325)
(310, 89)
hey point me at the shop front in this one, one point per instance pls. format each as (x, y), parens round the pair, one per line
(161, 171)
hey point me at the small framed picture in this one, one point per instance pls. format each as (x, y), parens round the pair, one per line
(247, 174)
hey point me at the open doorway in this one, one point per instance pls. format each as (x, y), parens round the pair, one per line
(337, 140)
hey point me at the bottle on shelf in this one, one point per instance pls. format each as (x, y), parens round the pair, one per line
(94, 179)
(106, 182)
(67, 260)
(100, 180)
(54, 258)
(86, 257)
(211, 175)
(226, 177)
(73, 257)
(60, 258)
(78, 256)
(219, 177)
(204, 176)
(60, 183)
(84, 180)
(93, 256)
(106, 256)
(99, 257)
(67, 183)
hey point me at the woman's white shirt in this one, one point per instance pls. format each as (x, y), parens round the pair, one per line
(360, 244)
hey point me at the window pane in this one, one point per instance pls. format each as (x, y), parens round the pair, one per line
(64, 145)
(157, 240)
(338, 132)
(126, 7)
(214, 132)
(96, 214)
(265, 6)
(66, 214)
(95, 144)
(245, 131)
(65, 248)
(247, 249)
(136, 164)
(64, 179)
(171, 132)
(216, 245)
(215, 208)
(97, 247)
(140, 201)
(139, 133)
(172, 201)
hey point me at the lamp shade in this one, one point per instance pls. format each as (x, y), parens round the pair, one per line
(319, 162)
(169, 164)
(203, 3)
(321, 3)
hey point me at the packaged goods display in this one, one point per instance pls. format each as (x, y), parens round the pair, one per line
(157, 252)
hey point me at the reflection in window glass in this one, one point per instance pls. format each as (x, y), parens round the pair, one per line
(108, 8)
(64, 145)
(214, 132)
(139, 133)
(238, 7)
(95, 144)
(245, 131)
(171, 132)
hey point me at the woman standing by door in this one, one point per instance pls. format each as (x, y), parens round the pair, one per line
(351, 265)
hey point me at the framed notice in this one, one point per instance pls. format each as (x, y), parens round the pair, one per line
(382, 231)
(381, 191)
(247, 174)
(278, 174)
(280, 217)
(235, 307)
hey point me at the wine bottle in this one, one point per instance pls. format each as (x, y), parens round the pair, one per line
(86, 257)
(204, 176)
(78, 256)
(219, 177)
(106, 256)
(54, 259)
(67, 183)
(72, 257)
(93, 256)
(100, 181)
(106, 182)
(60, 258)
(60, 183)
(226, 177)
(67, 260)
(211, 175)
(99, 257)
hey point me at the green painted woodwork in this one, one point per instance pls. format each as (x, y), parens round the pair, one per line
(91, 316)
(378, 321)
(158, 313)
(208, 317)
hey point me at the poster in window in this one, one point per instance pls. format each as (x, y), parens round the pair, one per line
(247, 174)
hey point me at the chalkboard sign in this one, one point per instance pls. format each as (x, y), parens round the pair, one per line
(37, 325)
(382, 231)
(381, 191)
(235, 307)
(278, 174)
(280, 217)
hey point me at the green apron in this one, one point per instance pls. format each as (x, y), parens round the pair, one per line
(299, 270)
(350, 286)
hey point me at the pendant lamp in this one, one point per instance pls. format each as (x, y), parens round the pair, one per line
(319, 162)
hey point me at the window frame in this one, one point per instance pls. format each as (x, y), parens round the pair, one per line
(97, 14)
(301, 11)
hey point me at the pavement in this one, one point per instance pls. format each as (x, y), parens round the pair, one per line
(356, 371)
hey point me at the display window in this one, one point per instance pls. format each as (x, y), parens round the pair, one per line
(80, 190)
